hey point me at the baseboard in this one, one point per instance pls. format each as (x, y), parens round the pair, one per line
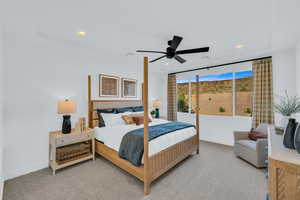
(23, 171)
(1, 189)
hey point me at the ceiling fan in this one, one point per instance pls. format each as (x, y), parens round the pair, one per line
(172, 53)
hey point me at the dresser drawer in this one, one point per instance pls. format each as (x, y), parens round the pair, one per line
(74, 138)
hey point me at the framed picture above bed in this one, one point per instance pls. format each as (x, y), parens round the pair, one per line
(129, 88)
(109, 86)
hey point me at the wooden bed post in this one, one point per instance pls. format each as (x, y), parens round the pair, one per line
(90, 114)
(197, 112)
(146, 116)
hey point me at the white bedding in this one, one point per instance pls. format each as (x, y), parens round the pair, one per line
(112, 136)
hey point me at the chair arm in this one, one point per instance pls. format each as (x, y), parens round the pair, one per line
(262, 149)
(240, 135)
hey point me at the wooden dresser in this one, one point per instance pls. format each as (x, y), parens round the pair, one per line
(284, 170)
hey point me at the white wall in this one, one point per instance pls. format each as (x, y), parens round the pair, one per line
(218, 129)
(298, 68)
(284, 75)
(39, 72)
(1, 115)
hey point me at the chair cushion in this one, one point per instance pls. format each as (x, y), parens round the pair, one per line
(247, 143)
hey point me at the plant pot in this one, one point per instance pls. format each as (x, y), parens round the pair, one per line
(284, 120)
(289, 134)
(297, 138)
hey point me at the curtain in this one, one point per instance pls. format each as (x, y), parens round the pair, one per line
(263, 92)
(172, 98)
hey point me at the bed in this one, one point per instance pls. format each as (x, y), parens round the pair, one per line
(160, 154)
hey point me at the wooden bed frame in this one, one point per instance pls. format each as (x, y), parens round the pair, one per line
(157, 164)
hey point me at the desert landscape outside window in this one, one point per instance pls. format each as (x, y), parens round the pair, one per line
(226, 94)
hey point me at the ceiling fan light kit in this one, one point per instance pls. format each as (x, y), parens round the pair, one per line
(172, 53)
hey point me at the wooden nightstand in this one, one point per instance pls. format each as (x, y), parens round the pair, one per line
(74, 148)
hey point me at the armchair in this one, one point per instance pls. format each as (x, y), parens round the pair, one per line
(254, 152)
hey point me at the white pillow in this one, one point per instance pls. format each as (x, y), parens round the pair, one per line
(112, 119)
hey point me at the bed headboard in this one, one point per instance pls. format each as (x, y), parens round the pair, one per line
(106, 104)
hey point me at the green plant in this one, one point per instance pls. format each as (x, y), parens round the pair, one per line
(182, 104)
(221, 109)
(287, 105)
(248, 111)
(153, 112)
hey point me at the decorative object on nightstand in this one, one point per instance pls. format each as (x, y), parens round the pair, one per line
(156, 105)
(289, 134)
(80, 125)
(69, 149)
(66, 108)
(287, 106)
(297, 138)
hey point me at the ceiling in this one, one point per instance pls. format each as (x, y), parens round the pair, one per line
(116, 27)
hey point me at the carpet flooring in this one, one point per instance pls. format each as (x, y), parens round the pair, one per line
(214, 174)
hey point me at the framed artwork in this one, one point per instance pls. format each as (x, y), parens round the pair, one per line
(109, 86)
(129, 88)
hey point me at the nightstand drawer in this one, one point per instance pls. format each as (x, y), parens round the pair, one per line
(74, 138)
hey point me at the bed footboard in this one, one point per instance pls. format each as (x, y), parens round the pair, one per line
(168, 158)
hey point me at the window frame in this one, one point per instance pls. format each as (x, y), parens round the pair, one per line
(234, 96)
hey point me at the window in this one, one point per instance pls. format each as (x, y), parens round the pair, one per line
(243, 102)
(215, 94)
(219, 94)
(183, 96)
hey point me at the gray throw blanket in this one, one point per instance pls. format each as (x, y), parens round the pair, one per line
(132, 145)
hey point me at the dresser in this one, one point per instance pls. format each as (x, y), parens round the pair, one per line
(68, 149)
(284, 170)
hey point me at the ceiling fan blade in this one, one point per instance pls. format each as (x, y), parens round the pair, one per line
(145, 51)
(157, 59)
(175, 42)
(198, 50)
(180, 59)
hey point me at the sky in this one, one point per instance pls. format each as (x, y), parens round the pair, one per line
(219, 77)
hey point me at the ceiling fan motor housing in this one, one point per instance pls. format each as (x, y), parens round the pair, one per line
(170, 52)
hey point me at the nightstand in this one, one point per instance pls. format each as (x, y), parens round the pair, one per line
(72, 148)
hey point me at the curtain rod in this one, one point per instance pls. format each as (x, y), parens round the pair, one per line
(221, 65)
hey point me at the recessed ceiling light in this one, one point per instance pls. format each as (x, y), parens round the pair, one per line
(81, 33)
(238, 46)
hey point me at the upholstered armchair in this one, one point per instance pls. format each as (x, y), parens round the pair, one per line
(254, 152)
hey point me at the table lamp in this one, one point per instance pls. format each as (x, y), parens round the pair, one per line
(66, 108)
(156, 105)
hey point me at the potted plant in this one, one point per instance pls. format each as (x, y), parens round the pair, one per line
(153, 112)
(286, 106)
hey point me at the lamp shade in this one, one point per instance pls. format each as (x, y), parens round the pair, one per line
(66, 107)
(156, 103)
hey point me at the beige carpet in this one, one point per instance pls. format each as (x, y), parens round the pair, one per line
(215, 174)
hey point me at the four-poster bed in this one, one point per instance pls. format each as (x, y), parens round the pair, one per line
(154, 165)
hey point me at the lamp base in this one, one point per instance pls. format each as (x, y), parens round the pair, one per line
(156, 113)
(66, 126)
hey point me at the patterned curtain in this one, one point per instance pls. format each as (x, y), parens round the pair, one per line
(172, 98)
(263, 92)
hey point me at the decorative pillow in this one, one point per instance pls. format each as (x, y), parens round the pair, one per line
(101, 122)
(128, 119)
(138, 109)
(140, 120)
(255, 135)
(122, 110)
(111, 119)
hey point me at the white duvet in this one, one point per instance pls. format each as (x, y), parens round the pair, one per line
(112, 136)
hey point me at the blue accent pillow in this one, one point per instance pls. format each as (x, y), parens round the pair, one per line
(122, 110)
(138, 109)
